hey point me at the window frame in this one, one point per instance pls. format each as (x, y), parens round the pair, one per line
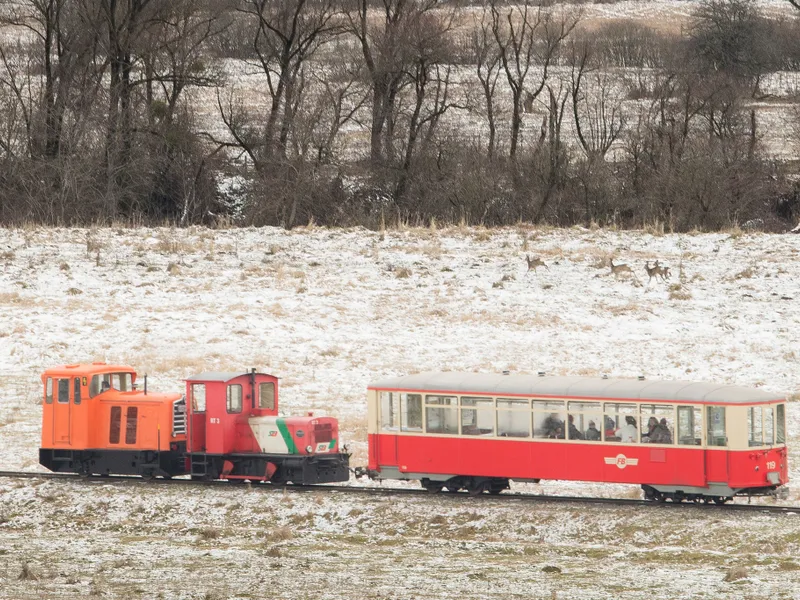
(64, 392)
(271, 397)
(229, 397)
(115, 425)
(48, 391)
(193, 404)
(131, 425)
(76, 391)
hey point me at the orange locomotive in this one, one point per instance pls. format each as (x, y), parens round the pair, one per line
(95, 421)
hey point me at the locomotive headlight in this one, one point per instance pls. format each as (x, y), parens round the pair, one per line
(309, 449)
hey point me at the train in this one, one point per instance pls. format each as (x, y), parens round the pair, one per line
(450, 431)
(679, 440)
(95, 421)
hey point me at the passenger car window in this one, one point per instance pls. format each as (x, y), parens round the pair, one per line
(477, 416)
(584, 421)
(513, 418)
(198, 397)
(390, 410)
(620, 422)
(234, 400)
(411, 412)
(658, 423)
(548, 419)
(755, 435)
(716, 426)
(690, 430)
(769, 425)
(780, 424)
(441, 414)
(266, 395)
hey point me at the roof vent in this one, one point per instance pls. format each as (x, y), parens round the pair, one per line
(506, 372)
(640, 378)
(541, 373)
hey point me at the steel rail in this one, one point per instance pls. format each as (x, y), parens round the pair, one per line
(395, 491)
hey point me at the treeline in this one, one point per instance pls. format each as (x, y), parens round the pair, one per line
(383, 111)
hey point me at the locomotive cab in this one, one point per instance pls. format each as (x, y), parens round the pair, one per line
(235, 433)
(95, 421)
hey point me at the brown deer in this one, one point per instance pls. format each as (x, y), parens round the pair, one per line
(656, 271)
(616, 270)
(534, 263)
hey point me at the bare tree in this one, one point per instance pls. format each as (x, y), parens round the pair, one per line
(528, 36)
(596, 104)
(485, 55)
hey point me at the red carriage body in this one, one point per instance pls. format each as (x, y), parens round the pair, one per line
(467, 430)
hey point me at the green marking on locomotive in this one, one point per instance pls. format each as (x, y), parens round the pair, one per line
(286, 435)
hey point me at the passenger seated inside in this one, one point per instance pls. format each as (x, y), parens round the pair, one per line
(558, 434)
(574, 432)
(628, 432)
(610, 428)
(551, 424)
(104, 386)
(663, 434)
(592, 434)
(652, 426)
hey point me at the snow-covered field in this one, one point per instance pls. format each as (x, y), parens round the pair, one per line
(330, 310)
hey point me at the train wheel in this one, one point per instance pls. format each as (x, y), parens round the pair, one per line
(720, 500)
(452, 488)
(476, 488)
(433, 487)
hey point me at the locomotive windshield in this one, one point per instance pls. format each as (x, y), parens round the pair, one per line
(122, 382)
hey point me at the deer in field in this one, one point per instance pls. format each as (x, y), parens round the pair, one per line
(534, 263)
(656, 271)
(616, 270)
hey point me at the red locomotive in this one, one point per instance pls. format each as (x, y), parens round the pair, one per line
(679, 440)
(95, 421)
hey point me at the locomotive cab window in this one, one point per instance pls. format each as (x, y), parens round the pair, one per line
(76, 390)
(411, 412)
(234, 399)
(198, 391)
(780, 424)
(122, 382)
(266, 395)
(390, 411)
(716, 426)
(63, 391)
(548, 419)
(441, 414)
(477, 416)
(513, 418)
(48, 391)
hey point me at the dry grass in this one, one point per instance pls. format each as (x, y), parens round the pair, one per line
(736, 573)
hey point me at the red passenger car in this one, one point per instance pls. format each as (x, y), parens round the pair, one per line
(679, 440)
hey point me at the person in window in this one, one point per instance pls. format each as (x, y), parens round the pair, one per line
(574, 432)
(651, 433)
(662, 434)
(558, 434)
(551, 424)
(610, 427)
(628, 432)
(104, 386)
(593, 433)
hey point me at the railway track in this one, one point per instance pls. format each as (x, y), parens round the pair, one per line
(394, 491)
